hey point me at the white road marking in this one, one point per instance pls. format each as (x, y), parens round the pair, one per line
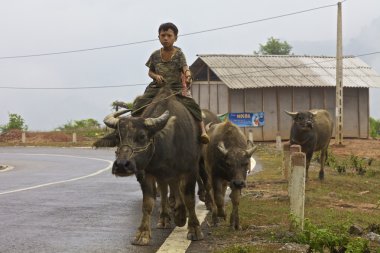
(177, 241)
(62, 181)
(8, 168)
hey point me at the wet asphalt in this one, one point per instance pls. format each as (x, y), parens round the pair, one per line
(71, 210)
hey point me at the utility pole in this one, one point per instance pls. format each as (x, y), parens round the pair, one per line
(339, 82)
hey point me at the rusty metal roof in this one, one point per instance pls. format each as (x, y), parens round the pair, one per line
(257, 71)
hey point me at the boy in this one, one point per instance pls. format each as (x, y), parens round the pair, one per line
(166, 67)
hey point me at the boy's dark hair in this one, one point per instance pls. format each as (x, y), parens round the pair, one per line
(166, 26)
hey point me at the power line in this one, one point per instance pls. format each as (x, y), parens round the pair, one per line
(183, 35)
(71, 88)
(144, 84)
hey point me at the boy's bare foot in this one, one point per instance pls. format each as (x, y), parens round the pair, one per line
(204, 138)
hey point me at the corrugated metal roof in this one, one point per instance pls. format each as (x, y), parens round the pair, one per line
(257, 71)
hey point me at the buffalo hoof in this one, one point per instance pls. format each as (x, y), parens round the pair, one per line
(195, 233)
(180, 216)
(321, 175)
(235, 227)
(142, 238)
(215, 220)
(163, 223)
(222, 214)
(234, 222)
(171, 201)
(202, 195)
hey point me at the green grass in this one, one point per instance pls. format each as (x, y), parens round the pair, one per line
(331, 207)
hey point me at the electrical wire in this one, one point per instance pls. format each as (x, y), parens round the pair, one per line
(144, 84)
(183, 35)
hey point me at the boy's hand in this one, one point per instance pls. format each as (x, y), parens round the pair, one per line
(159, 79)
(189, 79)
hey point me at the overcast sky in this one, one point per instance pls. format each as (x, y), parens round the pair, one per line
(44, 26)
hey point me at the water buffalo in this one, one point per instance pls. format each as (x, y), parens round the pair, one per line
(160, 145)
(312, 130)
(227, 161)
(208, 118)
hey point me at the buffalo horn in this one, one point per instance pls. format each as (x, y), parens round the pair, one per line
(293, 114)
(250, 151)
(152, 122)
(111, 119)
(222, 148)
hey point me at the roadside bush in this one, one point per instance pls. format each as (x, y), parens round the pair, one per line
(85, 127)
(321, 239)
(374, 126)
(15, 122)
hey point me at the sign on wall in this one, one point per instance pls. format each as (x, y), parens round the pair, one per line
(245, 119)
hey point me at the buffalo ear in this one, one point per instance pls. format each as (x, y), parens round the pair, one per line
(292, 114)
(110, 140)
(222, 148)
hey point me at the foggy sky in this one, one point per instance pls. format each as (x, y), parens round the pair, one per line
(43, 26)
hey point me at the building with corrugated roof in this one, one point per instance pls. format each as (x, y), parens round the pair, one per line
(271, 84)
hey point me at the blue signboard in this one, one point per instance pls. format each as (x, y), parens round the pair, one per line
(247, 119)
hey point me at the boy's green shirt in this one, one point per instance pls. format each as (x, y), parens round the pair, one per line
(170, 70)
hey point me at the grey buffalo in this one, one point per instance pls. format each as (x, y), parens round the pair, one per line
(227, 161)
(160, 145)
(312, 130)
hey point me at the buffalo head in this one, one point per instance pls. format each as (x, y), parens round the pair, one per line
(236, 163)
(136, 141)
(302, 120)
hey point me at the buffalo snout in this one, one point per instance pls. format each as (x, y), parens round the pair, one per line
(123, 168)
(238, 184)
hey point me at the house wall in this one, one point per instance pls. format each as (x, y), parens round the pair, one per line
(273, 101)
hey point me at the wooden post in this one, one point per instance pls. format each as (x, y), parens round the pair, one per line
(297, 186)
(339, 81)
(23, 137)
(286, 160)
(250, 135)
(74, 137)
(278, 141)
(292, 150)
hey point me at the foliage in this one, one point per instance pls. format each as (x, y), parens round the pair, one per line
(274, 47)
(321, 238)
(126, 105)
(357, 245)
(89, 127)
(15, 122)
(374, 126)
(357, 164)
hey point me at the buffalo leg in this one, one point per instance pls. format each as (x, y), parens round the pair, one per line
(210, 201)
(219, 192)
(309, 155)
(234, 217)
(202, 181)
(164, 220)
(143, 234)
(323, 162)
(194, 229)
(179, 206)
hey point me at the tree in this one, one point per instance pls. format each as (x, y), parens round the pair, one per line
(374, 126)
(15, 122)
(274, 47)
(84, 124)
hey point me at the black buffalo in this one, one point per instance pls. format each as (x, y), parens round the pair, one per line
(312, 130)
(162, 145)
(227, 161)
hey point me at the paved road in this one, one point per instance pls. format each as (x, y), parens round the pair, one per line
(66, 200)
